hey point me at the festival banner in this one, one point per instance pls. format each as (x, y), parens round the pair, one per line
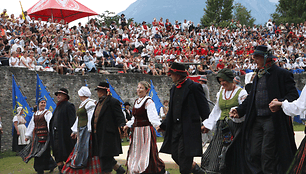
(155, 98)
(114, 93)
(20, 101)
(41, 91)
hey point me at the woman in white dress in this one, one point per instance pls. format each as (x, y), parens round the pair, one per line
(19, 125)
(143, 153)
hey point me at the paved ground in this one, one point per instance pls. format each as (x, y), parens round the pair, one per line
(171, 164)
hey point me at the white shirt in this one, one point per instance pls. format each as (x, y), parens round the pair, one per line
(31, 125)
(215, 114)
(13, 60)
(151, 111)
(90, 108)
(297, 107)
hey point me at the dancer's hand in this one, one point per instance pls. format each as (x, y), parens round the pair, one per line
(275, 105)
(73, 135)
(204, 130)
(233, 113)
(158, 129)
(125, 128)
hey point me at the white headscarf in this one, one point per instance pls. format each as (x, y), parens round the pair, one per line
(84, 91)
(19, 109)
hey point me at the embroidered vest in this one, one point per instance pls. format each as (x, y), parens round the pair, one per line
(41, 128)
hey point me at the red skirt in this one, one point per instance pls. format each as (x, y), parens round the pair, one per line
(93, 164)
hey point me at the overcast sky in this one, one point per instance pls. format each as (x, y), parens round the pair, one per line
(98, 6)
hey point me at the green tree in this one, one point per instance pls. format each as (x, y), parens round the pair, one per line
(241, 14)
(108, 17)
(290, 11)
(217, 11)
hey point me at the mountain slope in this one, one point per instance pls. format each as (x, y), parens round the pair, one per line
(146, 10)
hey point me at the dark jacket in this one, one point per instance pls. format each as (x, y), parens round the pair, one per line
(194, 110)
(66, 115)
(107, 137)
(280, 85)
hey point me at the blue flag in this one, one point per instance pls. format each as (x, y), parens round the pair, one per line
(114, 94)
(20, 101)
(41, 91)
(156, 100)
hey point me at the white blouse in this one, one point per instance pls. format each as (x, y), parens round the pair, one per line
(151, 111)
(215, 114)
(31, 125)
(90, 108)
(297, 107)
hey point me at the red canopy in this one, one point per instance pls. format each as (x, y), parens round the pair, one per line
(69, 10)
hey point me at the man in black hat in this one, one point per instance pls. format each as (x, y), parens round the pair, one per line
(187, 107)
(122, 21)
(268, 137)
(106, 120)
(62, 120)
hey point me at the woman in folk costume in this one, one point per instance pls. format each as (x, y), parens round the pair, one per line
(39, 148)
(19, 136)
(143, 154)
(80, 160)
(297, 107)
(222, 154)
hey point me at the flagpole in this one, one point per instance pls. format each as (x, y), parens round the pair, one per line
(22, 10)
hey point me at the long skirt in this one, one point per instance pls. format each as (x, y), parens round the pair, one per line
(298, 165)
(223, 153)
(143, 154)
(41, 154)
(80, 160)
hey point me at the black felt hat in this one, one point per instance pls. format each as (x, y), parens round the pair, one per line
(63, 91)
(177, 68)
(127, 103)
(263, 51)
(102, 85)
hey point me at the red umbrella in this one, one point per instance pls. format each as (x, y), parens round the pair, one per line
(69, 10)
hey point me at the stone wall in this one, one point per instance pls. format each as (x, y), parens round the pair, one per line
(124, 84)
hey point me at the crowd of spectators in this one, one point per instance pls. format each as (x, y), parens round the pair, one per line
(129, 48)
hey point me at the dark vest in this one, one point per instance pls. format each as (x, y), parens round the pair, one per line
(177, 103)
(141, 116)
(262, 98)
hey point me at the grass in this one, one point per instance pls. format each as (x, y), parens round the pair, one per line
(10, 163)
(298, 126)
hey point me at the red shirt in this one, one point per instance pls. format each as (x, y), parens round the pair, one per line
(220, 65)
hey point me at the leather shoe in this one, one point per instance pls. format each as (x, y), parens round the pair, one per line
(120, 170)
(197, 170)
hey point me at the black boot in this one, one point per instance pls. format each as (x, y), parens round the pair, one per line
(120, 170)
(60, 168)
(197, 170)
(40, 172)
